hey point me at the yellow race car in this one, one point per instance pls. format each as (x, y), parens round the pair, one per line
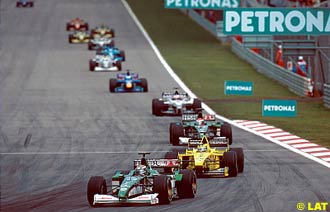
(103, 30)
(212, 158)
(79, 37)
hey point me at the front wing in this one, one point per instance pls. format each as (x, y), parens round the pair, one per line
(135, 89)
(75, 40)
(148, 199)
(112, 68)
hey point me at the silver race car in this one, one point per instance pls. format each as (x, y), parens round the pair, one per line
(104, 63)
(175, 104)
(97, 42)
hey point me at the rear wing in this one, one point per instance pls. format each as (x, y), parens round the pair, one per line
(192, 116)
(213, 142)
(189, 117)
(159, 163)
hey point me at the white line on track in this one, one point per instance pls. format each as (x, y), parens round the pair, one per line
(128, 152)
(237, 123)
(75, 153)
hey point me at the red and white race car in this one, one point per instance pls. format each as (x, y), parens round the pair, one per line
(24, 3)
(77, 24)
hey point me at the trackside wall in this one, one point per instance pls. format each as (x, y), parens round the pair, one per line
(326, 95)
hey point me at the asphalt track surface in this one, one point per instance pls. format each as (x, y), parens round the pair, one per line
(59, 125)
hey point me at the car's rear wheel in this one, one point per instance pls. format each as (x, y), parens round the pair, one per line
(70, 38)
(240, 158)
(197, 104)
(118, 65)
(112, 43)
(226, 132)
(112, 32)
(162, 185)
(230, 160)
(157, 106)
(144, 84)
(112, 85)
(122, 54)
(92, 65)
(187, 187)
(85, 26)
(67, 27)
(90, 46)
(96, 185)
(176, 131)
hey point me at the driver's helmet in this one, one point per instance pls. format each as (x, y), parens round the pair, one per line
(141, 170)
(201, 148)
(176, 96)
(128, 73)
(200, 121)
(176, 92)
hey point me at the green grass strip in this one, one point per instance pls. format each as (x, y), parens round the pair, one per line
(204, 64)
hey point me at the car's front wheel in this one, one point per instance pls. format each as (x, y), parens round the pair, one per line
(96, 185)
(162, 185)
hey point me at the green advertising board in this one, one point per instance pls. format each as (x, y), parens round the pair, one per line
(201, 4)
(280, 108)
(276, 21)
(238, 88)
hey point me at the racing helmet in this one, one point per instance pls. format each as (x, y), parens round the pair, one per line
(128, 73)
(201, 148)
(200, 121)
(141, 170)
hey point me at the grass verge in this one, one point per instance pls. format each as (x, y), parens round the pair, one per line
(204, 64)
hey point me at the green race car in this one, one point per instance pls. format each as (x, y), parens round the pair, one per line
(144, 184)
(195, 125)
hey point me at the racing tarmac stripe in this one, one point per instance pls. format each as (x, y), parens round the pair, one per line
(263, 128)
(268, 131)
(288, 138)
(302, 145)
(321, 154)
(309, 150)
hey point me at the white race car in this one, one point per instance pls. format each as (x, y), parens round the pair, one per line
(175, 104)
(97, 42)
(104, 63)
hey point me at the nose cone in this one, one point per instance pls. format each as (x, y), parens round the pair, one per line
(129, 85)
(200, 159)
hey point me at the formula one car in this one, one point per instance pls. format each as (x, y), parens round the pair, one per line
(212, 158)
(79, 37)
(143, 185)
(24, 3)
(98, 42)
(77, 24)
(129, 82)
(174, 104)
(104, 63)
(112, 52)
(196, 125)
(103, 30)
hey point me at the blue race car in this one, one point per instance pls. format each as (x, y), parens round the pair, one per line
(129, 82)
(24, 3)
(113, 52)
